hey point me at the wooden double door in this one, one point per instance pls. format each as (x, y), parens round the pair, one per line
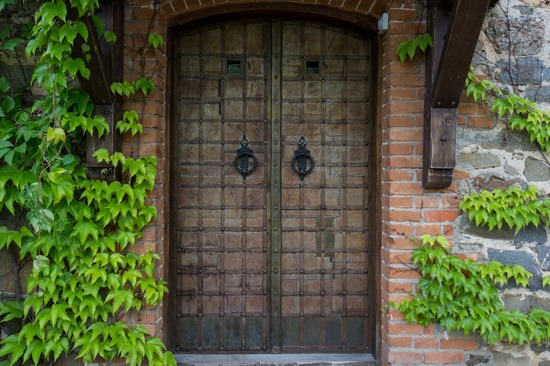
(272, 239)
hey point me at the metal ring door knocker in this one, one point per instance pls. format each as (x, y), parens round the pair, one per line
(245, 162)
(302, 162)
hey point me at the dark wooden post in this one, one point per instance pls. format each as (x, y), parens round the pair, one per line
(454, 26)
(105, 67)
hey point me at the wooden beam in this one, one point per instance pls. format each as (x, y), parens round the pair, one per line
(105, 66)
(98, 85)
(455, 27)
(457, 52)
(111, 13)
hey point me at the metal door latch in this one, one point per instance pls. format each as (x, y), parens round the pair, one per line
(302, 163)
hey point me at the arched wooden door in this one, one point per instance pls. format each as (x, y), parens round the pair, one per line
(269, 260)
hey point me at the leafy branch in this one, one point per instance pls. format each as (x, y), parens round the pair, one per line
(78, 232)
(515, 207)
(410, 48)
(460, 294)
(523, 115)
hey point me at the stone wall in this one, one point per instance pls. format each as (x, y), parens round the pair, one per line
(513, 50)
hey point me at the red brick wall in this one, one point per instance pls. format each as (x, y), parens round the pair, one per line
(140, 19)
(407, 209)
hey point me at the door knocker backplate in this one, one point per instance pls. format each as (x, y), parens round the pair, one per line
(245, 162)
(302, 163)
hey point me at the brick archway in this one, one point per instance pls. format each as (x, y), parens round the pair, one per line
(180, 11)
(358, 15)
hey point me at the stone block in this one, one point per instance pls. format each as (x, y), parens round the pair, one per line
(525, 10)
(543, 255)
(525, 32)
(19, 75)
(539, 94)
(524, 259)
(531, 234)
(470, 228)
(492, 182)
(523, 71)
(540, 348)
(9, 275)
(478, 358)
(538, 3)
(506, 359)
(536, 170)
(496, 138)
(479, 160)
(521, 303)
(541, 303)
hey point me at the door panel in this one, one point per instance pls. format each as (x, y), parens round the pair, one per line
(272, 263)
(324, 217)
(222, 219)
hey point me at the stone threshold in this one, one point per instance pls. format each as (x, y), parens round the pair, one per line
(310, 359)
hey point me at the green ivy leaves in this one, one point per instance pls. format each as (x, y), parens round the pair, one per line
(128, 89)
(460, 294)
(155, 40)
(145, 85)
(109, 37)
(515, 207)
(3, 3)
(48, 13)
(123, 88)
(409, 48)
(129, 123)
(523, 115)
(79, 231)
(69, 31)
(56, 135)
(501, 274)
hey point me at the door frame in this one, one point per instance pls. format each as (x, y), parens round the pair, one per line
(361, 23)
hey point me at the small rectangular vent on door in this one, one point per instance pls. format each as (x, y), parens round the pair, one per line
(233, 67)
(312, 67)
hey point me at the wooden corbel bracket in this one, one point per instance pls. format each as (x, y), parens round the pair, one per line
(455, 26)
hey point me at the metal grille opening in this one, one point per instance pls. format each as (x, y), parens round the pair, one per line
(234, 67)
(312, 67)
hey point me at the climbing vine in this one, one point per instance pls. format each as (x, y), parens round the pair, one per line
(523, 115)
(460, 294)
(77, 231)
(515, 207)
